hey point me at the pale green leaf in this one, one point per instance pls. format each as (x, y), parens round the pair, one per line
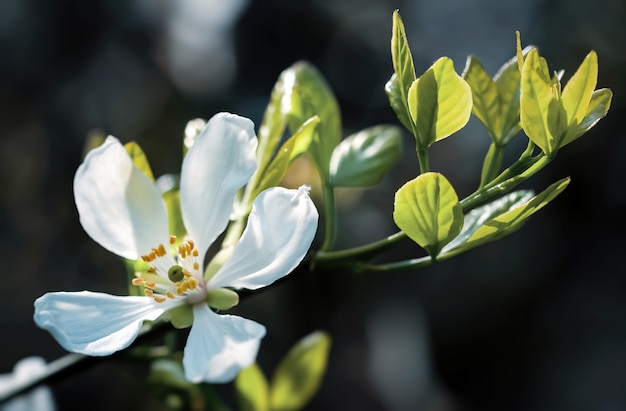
(139, 158)
(310, 95)
(398, 102)
(478, 216)
(252, 389)
(486, 102)
(597, 109)
(535, 98)
(508, 82)
(440, 103)
(295, 146)
(299, 374)
(363, 159)
(397, 87)
(274, 121)
(578, 90)
(169, 373)
(427, 210)
(510, 221)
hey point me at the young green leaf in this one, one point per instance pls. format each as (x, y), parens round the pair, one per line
(295, 146)
(486, 102)
(427, 210)
(397, 88)
(578, 90)
(598, 108)
(139, 158)
(362, 159)
(440, 103)
(480, 215)
(299, 374)
(536, 96)
(310, 95)
(252, 389)
(513, 219)
(274, 121)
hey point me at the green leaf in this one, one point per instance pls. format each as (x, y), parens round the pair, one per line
(274, 122)
(299, 374)
(397, 87)
(579, 89)
(310, 95)
(427, 210)
(362, 159)
(536, 96)
(597, 109)
(440, 103)
(398, 102)
(139, 158)
(486, 102)
(478, 216)
(252, 390)
(510, 221)
(295, 146)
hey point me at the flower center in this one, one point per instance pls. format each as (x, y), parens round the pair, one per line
(172, 275)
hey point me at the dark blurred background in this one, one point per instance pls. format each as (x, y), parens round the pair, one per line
(536, 321)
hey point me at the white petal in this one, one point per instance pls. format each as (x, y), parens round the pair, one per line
(219, 346)
(221, 160)
(119, 206)
(94, 324)
(280, 230)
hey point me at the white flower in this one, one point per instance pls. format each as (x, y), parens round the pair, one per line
(123, 211)
(39, 398)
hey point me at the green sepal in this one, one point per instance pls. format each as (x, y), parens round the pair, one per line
(139, 159)
(310, 95)
(440, 103)
(222, 298)
(295, 146)
(252, 390)
(181, 316)
(428, 211)
(363, 159)
(508, 221)
(299, 374)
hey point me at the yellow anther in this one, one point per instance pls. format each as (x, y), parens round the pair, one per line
(180, 290)
(137, 281)
(172, 239)
(149, 284)
(159, 298)
(195, 252)
(196, 266)
(161, 251)
(192, 283)
(170, 295)
(148, 293)
(151, 269)
(191, 244)
(187, 273)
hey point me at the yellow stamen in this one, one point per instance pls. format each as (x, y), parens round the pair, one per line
(196, 266)
(170, 295)
(195, 253)
(172, 239)
(149, 284)
(137, 281)
(159, 298)
(161, 250)
(148, 293)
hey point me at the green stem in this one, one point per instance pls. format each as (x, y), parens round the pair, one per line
(346, 257)
(399, 265)
(424, 162)
(330, 217)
